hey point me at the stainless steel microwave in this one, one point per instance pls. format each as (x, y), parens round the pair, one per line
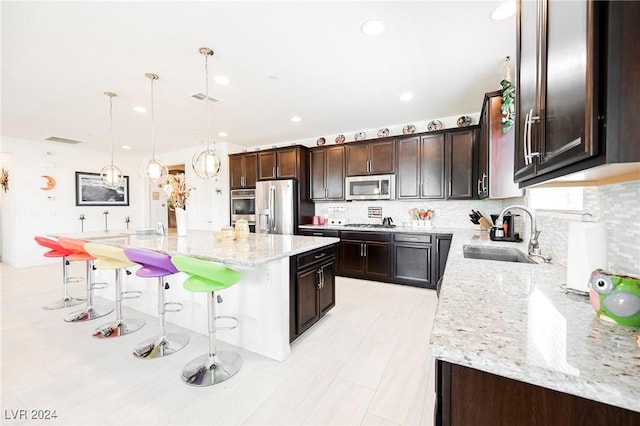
(375, 187)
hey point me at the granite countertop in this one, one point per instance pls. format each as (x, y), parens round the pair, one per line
(255, 250)
(514, 320)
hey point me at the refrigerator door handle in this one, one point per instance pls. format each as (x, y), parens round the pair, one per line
(272, 209)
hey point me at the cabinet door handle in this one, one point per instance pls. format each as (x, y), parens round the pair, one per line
(319, 234)
(277, 171)
(411, 239)
(484, 185)
(321, 255)
(479, 183)
(321, 278)
(319, 285)
(326, 192)
(524, 137)
(274, 172)
(531, 119)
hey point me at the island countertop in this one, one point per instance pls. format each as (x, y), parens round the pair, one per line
(257, 249)
(514, 320)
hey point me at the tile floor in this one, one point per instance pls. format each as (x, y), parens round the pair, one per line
(366, 362)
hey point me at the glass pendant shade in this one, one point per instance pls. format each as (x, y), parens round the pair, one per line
(153, 171)
(206, 164)
(112, 176)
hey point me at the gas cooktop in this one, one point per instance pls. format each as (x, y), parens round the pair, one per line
(369, 225)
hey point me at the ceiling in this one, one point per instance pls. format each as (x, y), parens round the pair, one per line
(282, 59)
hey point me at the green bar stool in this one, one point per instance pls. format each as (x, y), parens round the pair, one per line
(112, 257)
(209, 277)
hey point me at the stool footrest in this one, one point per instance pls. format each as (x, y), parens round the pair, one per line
(178, 308)
(99, 286)
(134, 294)
(226, 317)
(75, 279)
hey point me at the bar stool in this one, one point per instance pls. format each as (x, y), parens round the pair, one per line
(157, 265)
(112, 257)
(56, 250)
(205, 276)
(91, 311)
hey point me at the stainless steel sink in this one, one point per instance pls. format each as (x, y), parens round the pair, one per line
(502, 254)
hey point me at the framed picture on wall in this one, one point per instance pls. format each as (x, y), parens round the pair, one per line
(91, 191)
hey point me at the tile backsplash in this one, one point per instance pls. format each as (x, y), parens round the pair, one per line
(617, 205)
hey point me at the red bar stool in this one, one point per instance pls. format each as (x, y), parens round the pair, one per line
(113, 258)
(91, 311)
(158, 265)
(56, 250)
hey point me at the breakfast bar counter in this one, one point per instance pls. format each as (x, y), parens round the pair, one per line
(514, 320)
(260, 300)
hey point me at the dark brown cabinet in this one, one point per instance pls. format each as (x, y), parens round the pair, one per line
(412, 260)
(459, 156)
(495, 152)
(578, 68)
(370, 158)
(327, 173)
(243, 170)
(441, 253)
(421, 167)
(282, 163)
(507, 402)
(364, 255)
(312, 292)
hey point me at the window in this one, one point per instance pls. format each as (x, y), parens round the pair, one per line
(559, 199)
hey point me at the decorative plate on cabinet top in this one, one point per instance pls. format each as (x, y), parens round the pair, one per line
(340, 139)
(408, 129)
(434, 125)
(321, 141)
(463, 121)
(360, 136)
(383, 133)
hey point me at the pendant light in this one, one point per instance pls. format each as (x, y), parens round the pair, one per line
(206, 164)
(154, 171)
(111, 175)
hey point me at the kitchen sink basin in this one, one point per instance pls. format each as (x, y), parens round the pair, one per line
(502, 254)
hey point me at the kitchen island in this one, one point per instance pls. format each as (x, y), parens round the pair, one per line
(513, 348)
(260, 301)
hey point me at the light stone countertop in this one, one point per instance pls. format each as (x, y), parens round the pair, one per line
(394, 230)
(514, 320)
(255, 250)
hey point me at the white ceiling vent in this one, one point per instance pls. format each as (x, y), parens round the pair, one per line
(201, 96)
(62, 140)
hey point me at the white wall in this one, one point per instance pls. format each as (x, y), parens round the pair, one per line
(27, 211)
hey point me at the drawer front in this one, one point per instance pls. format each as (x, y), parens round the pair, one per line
(319, 255)
(319, 233)
(413, 238)
(365, 236)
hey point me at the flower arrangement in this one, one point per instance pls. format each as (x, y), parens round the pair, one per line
(178, 191)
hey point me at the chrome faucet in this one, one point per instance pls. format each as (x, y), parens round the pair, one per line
(534, 249)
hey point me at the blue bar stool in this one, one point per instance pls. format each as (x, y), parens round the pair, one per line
(157, 265)
(112, 257)
(204, 276)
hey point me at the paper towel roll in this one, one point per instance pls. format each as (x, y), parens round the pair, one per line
(586, 251)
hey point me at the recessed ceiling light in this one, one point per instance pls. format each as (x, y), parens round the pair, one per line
(372, 27)
(406, 96)
(296, 119)
(139, 108)
(504, 10)
(221, 80)
(127, 147)
(222, 134)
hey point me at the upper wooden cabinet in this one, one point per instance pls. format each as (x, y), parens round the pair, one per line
(495, 152)
(437, 165)
(421, 167)
(370, 158)
(282, 163)
(243, 170)
(577, 98)
(327, 173)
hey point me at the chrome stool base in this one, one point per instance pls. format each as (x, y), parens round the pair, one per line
(157, 347)
(88, 314)
(64, 303)
(207, 371)
(118, 328)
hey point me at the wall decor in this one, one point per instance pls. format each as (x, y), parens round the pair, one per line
(51, 183)
(91, 191)
(4, 179)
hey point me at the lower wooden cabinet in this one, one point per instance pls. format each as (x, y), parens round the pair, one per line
(312, 289)
(365, 255)
(470, 397)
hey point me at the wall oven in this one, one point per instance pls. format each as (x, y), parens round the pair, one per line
(243, 206)
(375, 187)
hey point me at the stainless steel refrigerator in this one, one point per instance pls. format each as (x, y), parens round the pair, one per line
(277, 203)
